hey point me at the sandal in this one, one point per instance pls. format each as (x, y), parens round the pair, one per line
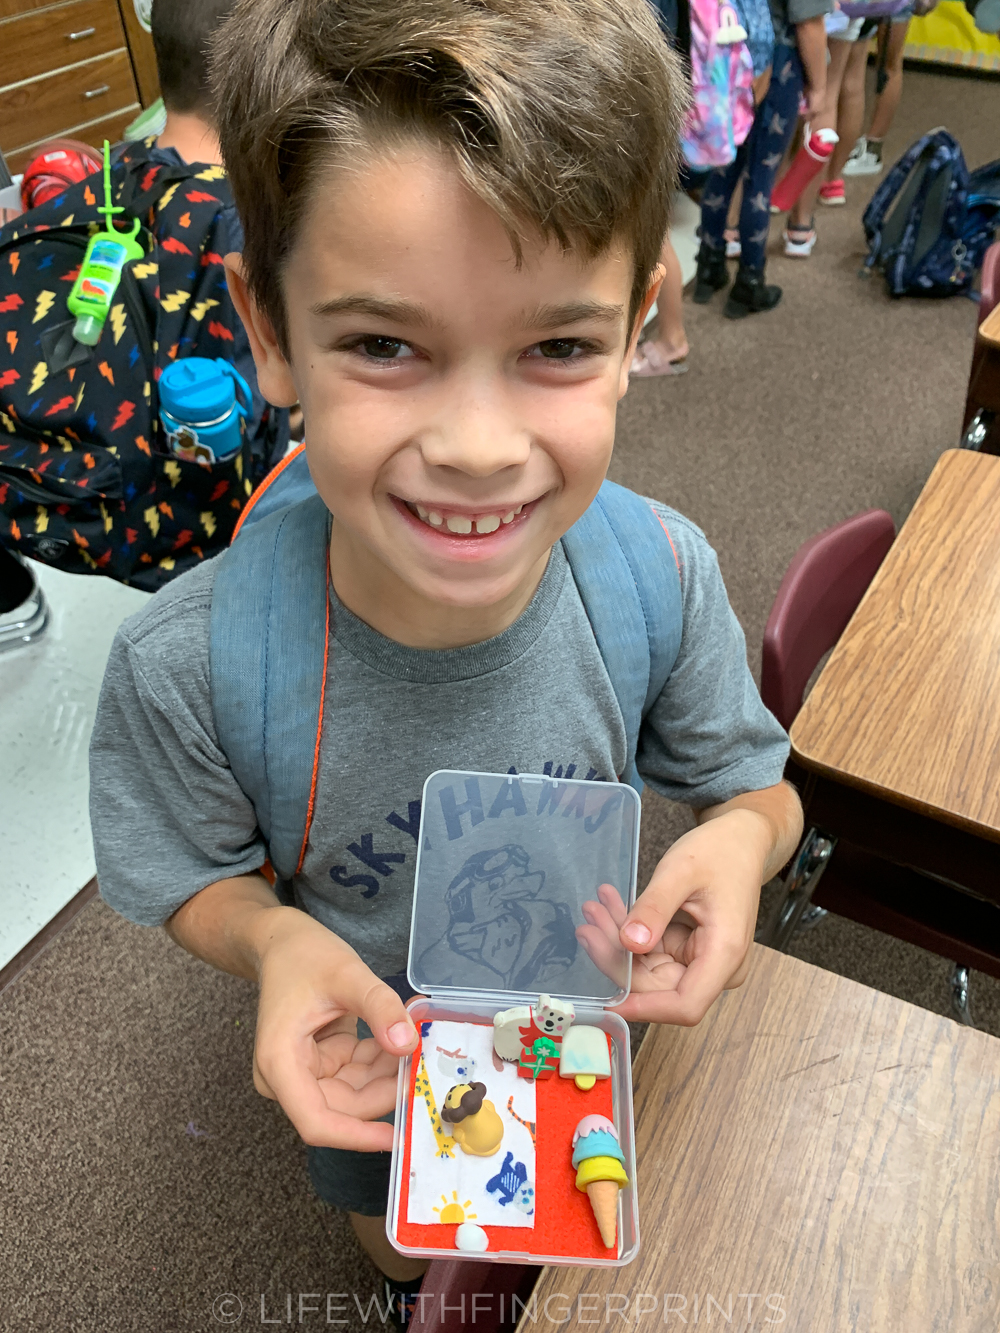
(799, 241)
(650, 360)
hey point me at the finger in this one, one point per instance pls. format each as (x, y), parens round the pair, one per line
(704, 980)
(384, 1012)
(296, 1088)
(598, 915)
(605, 954)
(369, 1102)
(656, 908)
(656, 972)
(614, 903)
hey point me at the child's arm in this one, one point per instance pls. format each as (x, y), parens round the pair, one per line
(690, 932)
(313, 986)
(810, 37)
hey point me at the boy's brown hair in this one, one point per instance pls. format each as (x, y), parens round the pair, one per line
(562, 115)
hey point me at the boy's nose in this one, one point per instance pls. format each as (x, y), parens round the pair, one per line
(476, 438)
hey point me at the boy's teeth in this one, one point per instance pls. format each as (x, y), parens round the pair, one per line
(460, 524)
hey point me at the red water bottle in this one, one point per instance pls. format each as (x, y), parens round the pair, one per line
(809, 161)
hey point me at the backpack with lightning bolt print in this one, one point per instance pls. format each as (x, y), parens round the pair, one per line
(86, 481)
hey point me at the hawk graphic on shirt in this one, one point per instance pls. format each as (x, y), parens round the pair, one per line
(500, 930)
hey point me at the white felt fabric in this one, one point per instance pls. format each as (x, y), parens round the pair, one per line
(460, 1182)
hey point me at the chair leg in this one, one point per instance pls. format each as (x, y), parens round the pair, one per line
(960, 995)
(807, 870)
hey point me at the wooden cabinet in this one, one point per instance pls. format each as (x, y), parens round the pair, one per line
(73, 69)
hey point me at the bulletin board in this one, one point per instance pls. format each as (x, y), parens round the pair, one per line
(948, 36)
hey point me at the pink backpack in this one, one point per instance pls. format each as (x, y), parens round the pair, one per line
(721, 110)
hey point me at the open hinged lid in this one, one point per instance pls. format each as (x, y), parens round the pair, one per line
(522, 883)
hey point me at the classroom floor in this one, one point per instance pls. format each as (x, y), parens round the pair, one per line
(144, 1178)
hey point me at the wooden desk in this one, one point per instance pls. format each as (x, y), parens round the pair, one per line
(826, 1146)
(989, 330)
(908, 706)
(899, 739)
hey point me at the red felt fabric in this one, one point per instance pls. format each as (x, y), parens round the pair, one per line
(564, 1222)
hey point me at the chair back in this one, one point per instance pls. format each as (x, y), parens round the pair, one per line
(818, 595)
(989, 283)
(459, 1294)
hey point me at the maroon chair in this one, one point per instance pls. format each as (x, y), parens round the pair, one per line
(822, 587)
(457, 1295)
(818, 595)
(981, 419)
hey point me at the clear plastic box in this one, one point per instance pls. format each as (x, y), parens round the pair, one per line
(505, 865)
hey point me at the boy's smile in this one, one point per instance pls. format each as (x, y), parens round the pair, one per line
(459, 408)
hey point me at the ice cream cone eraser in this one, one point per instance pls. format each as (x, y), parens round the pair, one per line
(600, 1171)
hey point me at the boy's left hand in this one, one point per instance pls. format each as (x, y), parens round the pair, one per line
(690, 932)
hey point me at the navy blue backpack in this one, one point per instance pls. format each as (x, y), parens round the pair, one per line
(931, 220)
(270, 628)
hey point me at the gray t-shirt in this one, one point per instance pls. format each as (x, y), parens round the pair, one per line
(169, 819)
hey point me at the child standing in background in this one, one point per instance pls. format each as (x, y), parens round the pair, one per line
(799, 64)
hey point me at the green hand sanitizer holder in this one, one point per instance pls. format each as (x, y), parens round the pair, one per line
(100, 273)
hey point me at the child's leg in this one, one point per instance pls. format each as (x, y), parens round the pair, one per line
(664, 354)
(717, 195)
(370, 1231)
(712, 274)
(801, 216)
(772, 129)
(888, 100)
(851, 108)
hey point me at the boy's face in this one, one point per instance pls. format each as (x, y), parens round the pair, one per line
(460, 410)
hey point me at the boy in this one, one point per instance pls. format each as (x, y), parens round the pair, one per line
(182, 31)
(453, 211)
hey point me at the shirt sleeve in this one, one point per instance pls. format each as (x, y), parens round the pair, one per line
(708, 737)
(167, 815)
(799, 11)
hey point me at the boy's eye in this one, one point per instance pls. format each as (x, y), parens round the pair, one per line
(562, 349)
(377, 348)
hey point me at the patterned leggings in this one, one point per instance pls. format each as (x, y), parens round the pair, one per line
(759, 156)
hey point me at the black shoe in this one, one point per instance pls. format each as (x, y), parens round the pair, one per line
(750, 294)
(712, 274)
(401, 1299)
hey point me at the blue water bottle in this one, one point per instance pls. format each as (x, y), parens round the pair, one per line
(201, 411)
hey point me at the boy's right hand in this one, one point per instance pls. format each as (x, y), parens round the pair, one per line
(307, 1055)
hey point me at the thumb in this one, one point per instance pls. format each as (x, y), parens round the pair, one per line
(655, 909)
(385, 1013)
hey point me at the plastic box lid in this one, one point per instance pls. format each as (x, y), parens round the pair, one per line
(505, 895)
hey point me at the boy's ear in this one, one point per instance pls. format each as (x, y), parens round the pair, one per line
(274, 375)
(652, 292)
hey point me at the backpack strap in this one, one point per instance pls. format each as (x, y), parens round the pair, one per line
(272, 591)
(628, 577)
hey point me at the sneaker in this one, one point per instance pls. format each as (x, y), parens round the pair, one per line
(24, 612)
(401, 1300)
(865, 158)
(799, 241)
(832, 193)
